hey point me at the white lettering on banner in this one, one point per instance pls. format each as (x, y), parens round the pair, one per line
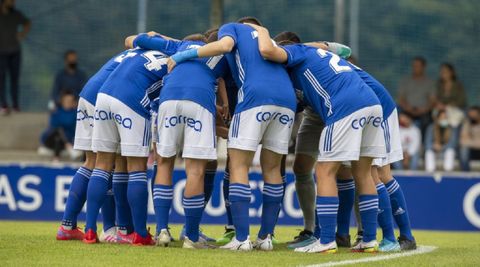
(151, 209)
(469, 205)
(178, 196)
(216, 211)
(29, 192)
(61, 193)
(288, 202)
(6, 194)
(252, 212)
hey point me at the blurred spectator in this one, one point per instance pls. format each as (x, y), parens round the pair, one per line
(470, 138)
(10, 51)
(440, 138)
(417, 94)
(450, 91)
(60, 133)
(411, 139)
(70, 78)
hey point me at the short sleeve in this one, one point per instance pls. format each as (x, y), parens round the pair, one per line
(168, 47)
(295, 54)
(228, 29)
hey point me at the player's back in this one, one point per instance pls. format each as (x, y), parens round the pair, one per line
(330, 85)
(386, 100)
(91, 88)
(194, 79)
(132, 78)
(260, 82)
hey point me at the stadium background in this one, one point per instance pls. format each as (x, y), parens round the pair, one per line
(390, 33)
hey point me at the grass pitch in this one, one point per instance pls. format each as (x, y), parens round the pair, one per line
(34, 244)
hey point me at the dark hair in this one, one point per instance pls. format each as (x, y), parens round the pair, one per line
(451, 68)
(195, 37)
(475, 108)
(213, 36)
(249, 19)
(69, 52)
(421, 59)
(210, 31)
(66, 92)
(287, 36)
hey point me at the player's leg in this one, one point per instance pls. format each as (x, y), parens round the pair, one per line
(346, 197)
(77, 195)
(162, 198)
(385, 217)
(109, 231)
(97, 192)
(272, 196)
(229, 228)
(397, 199)
(123, 212)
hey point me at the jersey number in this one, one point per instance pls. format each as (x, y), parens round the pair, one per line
(120, 58)
(156, 60)
(333, 61)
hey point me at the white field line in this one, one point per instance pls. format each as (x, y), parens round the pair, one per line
(419, 250)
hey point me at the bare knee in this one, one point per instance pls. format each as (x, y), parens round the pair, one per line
(135, 164)
(90, 158)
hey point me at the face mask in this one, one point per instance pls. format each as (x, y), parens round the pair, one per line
(72, 65)
(443, 123)
(473, 121)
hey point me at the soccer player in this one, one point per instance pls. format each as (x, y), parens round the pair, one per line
(186, 121)
(122, 121)
(352, 115)
(83, 141)
(264, 114)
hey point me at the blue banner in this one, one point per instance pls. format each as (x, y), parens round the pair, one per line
(40, 193)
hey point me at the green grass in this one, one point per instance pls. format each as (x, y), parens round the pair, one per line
(34, 244)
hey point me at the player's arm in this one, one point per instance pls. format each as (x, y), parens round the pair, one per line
(222, 46)
(222, 93)
(153, 41)
(336, 48)
(266, 46)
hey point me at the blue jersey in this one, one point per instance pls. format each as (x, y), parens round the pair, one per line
(386, 100)
(194, 80)
(329, 84)
(260, 82)
(90, 90)
(136, 79)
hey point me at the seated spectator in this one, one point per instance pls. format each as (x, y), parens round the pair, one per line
(70, 78)
(416, 94)
(450, 92)
(470, 138)
(60, 133)
(440, 138)
(411, 139)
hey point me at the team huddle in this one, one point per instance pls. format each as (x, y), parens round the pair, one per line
(235, 82)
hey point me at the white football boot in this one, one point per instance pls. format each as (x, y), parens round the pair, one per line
(317, 247)
(239, 245)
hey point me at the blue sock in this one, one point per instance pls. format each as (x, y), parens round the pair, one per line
(346, 197)
(162, 202)
(239, 196)
(368, 206)
(272, 199)
(209, 182)
(137, 193)
(385, 217)
(399, 208)
(96, 193)
(124, 214)
(193, 207)
(327, 209)
(225, 187)
(108, 208)
(77, 195)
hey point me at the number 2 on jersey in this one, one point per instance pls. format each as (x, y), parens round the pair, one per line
(333, 61)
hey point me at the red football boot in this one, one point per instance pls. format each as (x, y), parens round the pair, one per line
(138, 240)
(65, 234)
(90, 237)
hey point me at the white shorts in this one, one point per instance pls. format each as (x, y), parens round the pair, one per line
(154, 122)
(118, 126)
(269, 125)
(84, 126)
(309, 133)
(188, 126)
(393, 143)
(357, 135)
